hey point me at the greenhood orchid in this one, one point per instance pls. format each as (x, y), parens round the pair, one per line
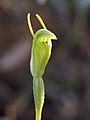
(40, 54)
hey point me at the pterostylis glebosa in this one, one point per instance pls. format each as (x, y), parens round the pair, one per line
(40, 54)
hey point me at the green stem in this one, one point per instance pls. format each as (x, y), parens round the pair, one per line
(38, 91)
(38, 114)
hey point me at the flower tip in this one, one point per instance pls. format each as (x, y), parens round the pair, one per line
(55, 38)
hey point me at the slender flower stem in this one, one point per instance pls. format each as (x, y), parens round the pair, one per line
(38, 114)
(38, 91)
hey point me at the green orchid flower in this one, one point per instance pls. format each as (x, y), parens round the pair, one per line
(40, 54)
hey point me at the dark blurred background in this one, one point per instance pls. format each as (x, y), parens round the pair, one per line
(67, 75)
